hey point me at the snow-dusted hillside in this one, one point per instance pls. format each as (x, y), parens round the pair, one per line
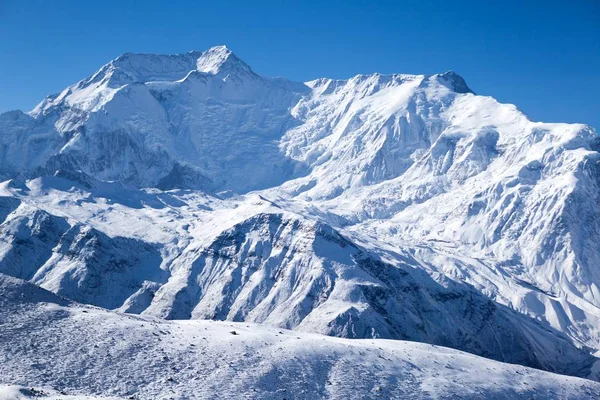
(382, 206)
(16, 392)
(49, 342)
(248, 259)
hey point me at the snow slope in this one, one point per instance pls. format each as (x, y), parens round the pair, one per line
(396, 206)
(247, 259)
(16, 392)
(79, 350)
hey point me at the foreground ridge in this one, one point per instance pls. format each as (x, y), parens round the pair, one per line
(151, 358)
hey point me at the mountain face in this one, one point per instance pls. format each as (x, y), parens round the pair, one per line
(382, 206)
(199, 120)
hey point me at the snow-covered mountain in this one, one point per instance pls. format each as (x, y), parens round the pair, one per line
(198, 120)
(383, 206)
(71, 351)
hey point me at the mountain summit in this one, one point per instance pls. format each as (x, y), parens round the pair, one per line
(153, 67)
(220, 59)
(158, 113)
(381, 206)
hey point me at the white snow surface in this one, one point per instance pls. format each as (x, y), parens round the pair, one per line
(80, 351)
(16, 392)
(382, 206)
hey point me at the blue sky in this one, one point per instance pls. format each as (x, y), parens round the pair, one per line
(543, 56)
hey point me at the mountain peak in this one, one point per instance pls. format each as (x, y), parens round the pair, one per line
(145, 67)
(220, 59)
(453, 81)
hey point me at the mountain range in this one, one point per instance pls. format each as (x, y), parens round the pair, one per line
(407, 207)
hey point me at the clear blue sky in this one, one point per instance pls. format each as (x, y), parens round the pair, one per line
(543, 56)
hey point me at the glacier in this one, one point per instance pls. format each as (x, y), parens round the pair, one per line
(383, 206)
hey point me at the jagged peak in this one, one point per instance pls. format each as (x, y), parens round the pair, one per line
(220, 59)
(453, 81)
(450, 79)
(144, 67)
(358, 78)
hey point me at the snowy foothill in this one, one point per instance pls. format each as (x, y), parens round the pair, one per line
(58, 349)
